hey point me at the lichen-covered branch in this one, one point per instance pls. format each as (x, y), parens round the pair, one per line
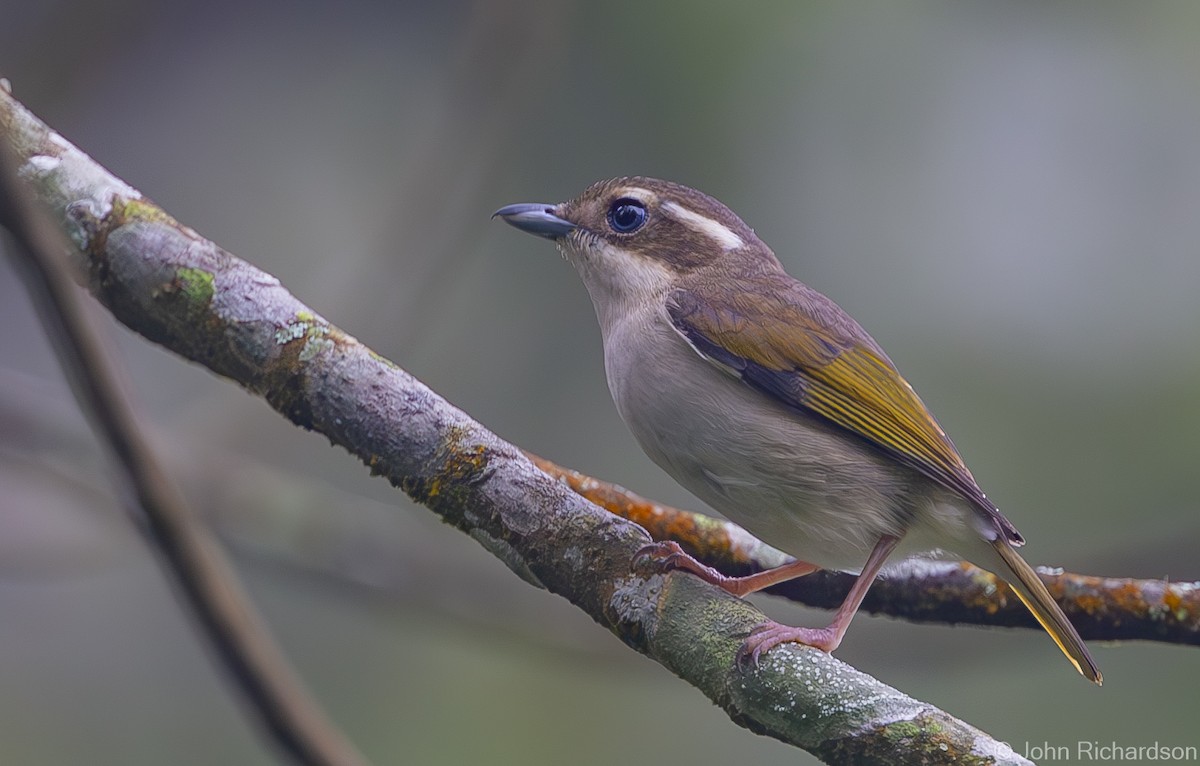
(192, 556)
(166, 282)
(922, 590)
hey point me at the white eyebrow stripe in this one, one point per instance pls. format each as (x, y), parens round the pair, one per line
(715, 230)
(637, 192)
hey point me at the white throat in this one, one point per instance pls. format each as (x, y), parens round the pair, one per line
(621, 284)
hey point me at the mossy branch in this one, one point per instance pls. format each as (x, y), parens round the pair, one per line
(174, 287)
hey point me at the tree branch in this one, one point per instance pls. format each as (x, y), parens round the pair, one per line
(177, 289)
(253, 661)
(921, 590)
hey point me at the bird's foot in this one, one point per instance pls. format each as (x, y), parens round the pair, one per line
(771, 634)
(667, 556)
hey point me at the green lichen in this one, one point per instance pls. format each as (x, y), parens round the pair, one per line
(196, 285)
(307, 327)
(921, 740)
(709, 524)
(716, 643)
(138, 209)
(927, 741)
(901, 730)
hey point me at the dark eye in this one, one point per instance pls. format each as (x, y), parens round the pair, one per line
(626, 215)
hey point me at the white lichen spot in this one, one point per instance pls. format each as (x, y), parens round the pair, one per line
(573, 556)
(290, 333)
(69, 176)
(313, 347)
(43, 163)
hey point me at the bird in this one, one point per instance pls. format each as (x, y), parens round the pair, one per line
(765, 399)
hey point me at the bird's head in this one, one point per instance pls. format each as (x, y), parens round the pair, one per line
(634, 238)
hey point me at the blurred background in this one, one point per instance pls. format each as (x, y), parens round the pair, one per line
(1006, 195)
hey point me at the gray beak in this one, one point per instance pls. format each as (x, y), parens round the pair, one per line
(535, 218)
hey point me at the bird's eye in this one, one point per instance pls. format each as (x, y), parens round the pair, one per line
(626, 215)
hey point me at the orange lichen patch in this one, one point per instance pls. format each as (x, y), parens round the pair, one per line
(1114, 608)
(1088, 603)
(1172, 600)
(989, 593)
(461, 465)
(1126, 597)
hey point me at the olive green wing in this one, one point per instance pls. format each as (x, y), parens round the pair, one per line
(804, 351)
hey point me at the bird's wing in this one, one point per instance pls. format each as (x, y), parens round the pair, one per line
(830, 368)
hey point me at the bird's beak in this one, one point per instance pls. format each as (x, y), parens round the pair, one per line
(535, 218)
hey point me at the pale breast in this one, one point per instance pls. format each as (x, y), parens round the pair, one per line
(795, 482)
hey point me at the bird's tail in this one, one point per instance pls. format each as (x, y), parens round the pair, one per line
(1033, 594)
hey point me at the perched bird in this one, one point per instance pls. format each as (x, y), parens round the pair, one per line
(769, 402)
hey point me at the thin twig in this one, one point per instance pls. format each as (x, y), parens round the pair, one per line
(198, 567)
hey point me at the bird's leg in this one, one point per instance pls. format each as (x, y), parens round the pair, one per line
(771, 634)
(668, 556)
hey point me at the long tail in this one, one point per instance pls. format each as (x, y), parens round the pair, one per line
(1033, 594)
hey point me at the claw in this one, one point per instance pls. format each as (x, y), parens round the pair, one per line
(769, 635)
(667, 556)
(657, 553)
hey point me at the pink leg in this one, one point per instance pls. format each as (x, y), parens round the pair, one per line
(771, 634)
(669, 556)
